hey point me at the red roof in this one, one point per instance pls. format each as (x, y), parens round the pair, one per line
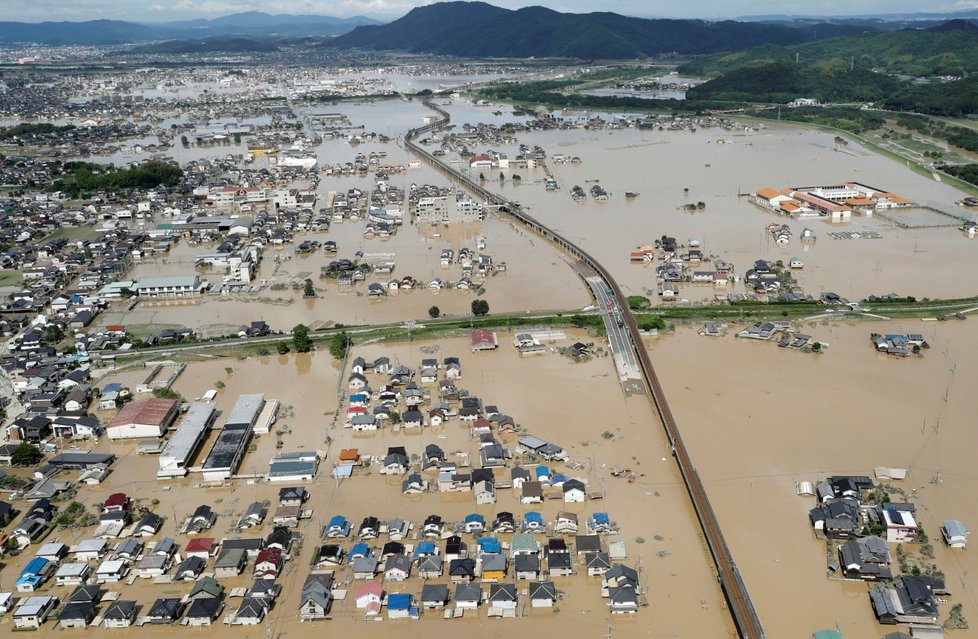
(482, 336)
(116, 499)
(480, 158)
(200, 544)
(115, 328)
(152, 411)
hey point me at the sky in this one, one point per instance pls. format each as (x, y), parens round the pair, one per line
(165, 10)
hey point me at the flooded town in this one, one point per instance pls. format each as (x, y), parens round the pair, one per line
(288, 337)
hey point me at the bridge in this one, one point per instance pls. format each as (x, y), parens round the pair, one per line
(731, 582)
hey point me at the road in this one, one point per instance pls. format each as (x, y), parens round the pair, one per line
(618, 338)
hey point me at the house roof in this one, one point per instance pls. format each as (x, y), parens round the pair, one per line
(153, 411)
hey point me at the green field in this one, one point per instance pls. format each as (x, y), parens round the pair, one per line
(9, 278)
(74, 233)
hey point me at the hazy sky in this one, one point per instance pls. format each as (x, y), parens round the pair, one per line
(162, 10)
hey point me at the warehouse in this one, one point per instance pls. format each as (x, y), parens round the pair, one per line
(186, 440)
(143, 418)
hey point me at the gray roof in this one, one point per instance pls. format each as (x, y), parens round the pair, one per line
(468, 592)
(434, 592)
(543, 590)
(187, 435)
(245, 410)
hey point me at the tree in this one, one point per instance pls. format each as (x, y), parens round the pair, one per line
(26, 455)
(482, 177)
(434, 312)
(480, 307)
(339, 344)
(638, 302)
(502, 177)
(308, 289)
(300, 339)
(184, 141)
(53, 334)
(283, 348)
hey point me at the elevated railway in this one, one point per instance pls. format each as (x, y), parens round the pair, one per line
(731, 582)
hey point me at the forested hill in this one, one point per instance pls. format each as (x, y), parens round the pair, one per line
(948, 49)
(477, 29)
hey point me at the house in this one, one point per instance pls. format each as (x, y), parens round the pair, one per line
(369, 598)
(396, 462)
(337, 527)
(37, 571)
(165, 610)
(329, 555)
(455, 548)
(566, 523)
(397, 568)
(265, 589)
(502, 599)
(865, 558)
(153, 565)
(559, 564)
(148, 526)
(527, 566)
(121, 613)
(413, 485)
(910, 600)
(190, 568)
(597, 563)
(504, 522)
(900, 523)
(622, 600)
(31, 612)
(430, 567)
(201, 547)
(250, 612)
(76, 614)
(467, 596)
(253, 515)
(90, 549)
(369, 528)
(356, 382)
(72, 574)
(483, 339)
(523, 544)
(203, 611)
(532, 492)
(837, 518)
(474, 523)
(316, 597)
(434, 596)
(600, 524)
(292, 496)
(206, 588)
(485, 492)
(287, 516)
(268, 564)
(401, 606)
(955, 533)
(533, 522)
(621, 576)
(365, 567)
(112, 571)
(574, 491)
(493, 567)
(461, 569)
(230, 563)
(543, 594)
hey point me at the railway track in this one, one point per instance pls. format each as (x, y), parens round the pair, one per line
(735, 591)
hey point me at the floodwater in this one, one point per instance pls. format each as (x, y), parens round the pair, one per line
(653, 514)
(717, 165)
(793, 417)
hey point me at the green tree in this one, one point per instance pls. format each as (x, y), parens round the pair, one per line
(434, 312)
(300, 339)
(308, 289)
(26, 455)
(638, 302)
(480, 308)
(339, 344)
(282, 348)
(54, 334)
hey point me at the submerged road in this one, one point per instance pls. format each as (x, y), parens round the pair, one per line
(741, 607)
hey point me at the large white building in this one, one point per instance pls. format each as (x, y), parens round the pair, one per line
(172, 286)
(143, 419)
(186, 440)
(447, 209)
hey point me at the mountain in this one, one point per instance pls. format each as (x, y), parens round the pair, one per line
(208, 45)
(107, 32)
(948, 51)
(477, 29)
(959, 24)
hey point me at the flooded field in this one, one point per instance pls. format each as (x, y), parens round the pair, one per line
(715, 166)
(794, 417)
(653, 513)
